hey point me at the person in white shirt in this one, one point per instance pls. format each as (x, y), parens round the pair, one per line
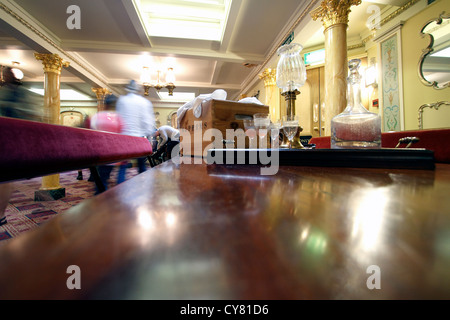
(165, 133)
(138, 119)
(168, 136)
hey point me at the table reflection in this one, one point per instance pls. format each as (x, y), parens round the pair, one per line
(223, 232)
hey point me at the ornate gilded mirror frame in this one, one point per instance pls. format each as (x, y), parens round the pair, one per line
(172, 119)
(72, 118)
(428, 50)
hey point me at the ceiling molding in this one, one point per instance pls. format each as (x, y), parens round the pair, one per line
(217, 68)
(209, 85)
(101, 46)
(38, 38)
(187, 85)
(41, 79)
(300, 15)
(208, 54)
(113, 41)
(231, 21)
(131, 7)
(181, 52)
(399, 11)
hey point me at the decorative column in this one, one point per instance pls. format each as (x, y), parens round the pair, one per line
(334, 15)
(101, 94)
(272, 93)
(52, 63)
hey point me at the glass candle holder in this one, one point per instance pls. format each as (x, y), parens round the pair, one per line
(291, 71)
(291, 76)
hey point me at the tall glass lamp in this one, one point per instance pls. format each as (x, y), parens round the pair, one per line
(291, 76)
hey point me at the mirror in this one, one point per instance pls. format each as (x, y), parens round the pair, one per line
(434, 64)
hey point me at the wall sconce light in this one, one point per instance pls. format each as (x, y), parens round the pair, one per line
(18, 74)
(16, 71)
(169, 85)
(371, 74)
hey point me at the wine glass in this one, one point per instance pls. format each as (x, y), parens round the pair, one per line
(250, 131)
(275, 134)
(290, 127)
(262, 123)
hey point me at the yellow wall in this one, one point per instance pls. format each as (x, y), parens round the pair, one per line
(163, 114)
(259, 86)
(371, 91)
(415, 93)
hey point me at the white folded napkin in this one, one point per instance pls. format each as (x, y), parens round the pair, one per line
(251, 100)
(218, 94)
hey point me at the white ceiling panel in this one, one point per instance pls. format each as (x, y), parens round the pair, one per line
(112, 44)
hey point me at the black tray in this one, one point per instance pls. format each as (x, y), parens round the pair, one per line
(400, 158)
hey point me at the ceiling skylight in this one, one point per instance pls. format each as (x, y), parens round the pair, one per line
(185, 19)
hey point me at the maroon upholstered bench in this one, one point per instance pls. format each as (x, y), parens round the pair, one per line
(436, 140)
(31, 149)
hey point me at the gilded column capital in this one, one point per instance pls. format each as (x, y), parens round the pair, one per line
(101, 92)
(51, 61)
(334, 11)
(269, 76)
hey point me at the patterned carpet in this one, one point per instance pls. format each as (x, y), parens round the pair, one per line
(24, 214)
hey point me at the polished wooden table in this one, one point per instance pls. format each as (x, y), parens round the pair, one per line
(185, 231)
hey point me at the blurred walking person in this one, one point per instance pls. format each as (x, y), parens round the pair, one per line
(138, 120)
(15, 102)
(110, 121)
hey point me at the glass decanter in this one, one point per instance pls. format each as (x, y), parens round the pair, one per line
(355, 127)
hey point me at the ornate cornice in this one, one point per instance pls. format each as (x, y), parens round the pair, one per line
(28, 25)
(333, 11)
(52, 62)
(275, 48)
(390, 17)
(355, 46)
(398, 11)
(44, 37)
(101, 92)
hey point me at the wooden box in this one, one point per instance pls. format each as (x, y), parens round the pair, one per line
(215, 114)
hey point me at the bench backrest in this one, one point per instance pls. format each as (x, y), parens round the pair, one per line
(436, 140)
(31, 149)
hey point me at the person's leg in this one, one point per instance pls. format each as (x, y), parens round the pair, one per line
(173, 148)
(104, 173)
(158, 152)
(5, 194)
(142, 167)
(122, 172)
